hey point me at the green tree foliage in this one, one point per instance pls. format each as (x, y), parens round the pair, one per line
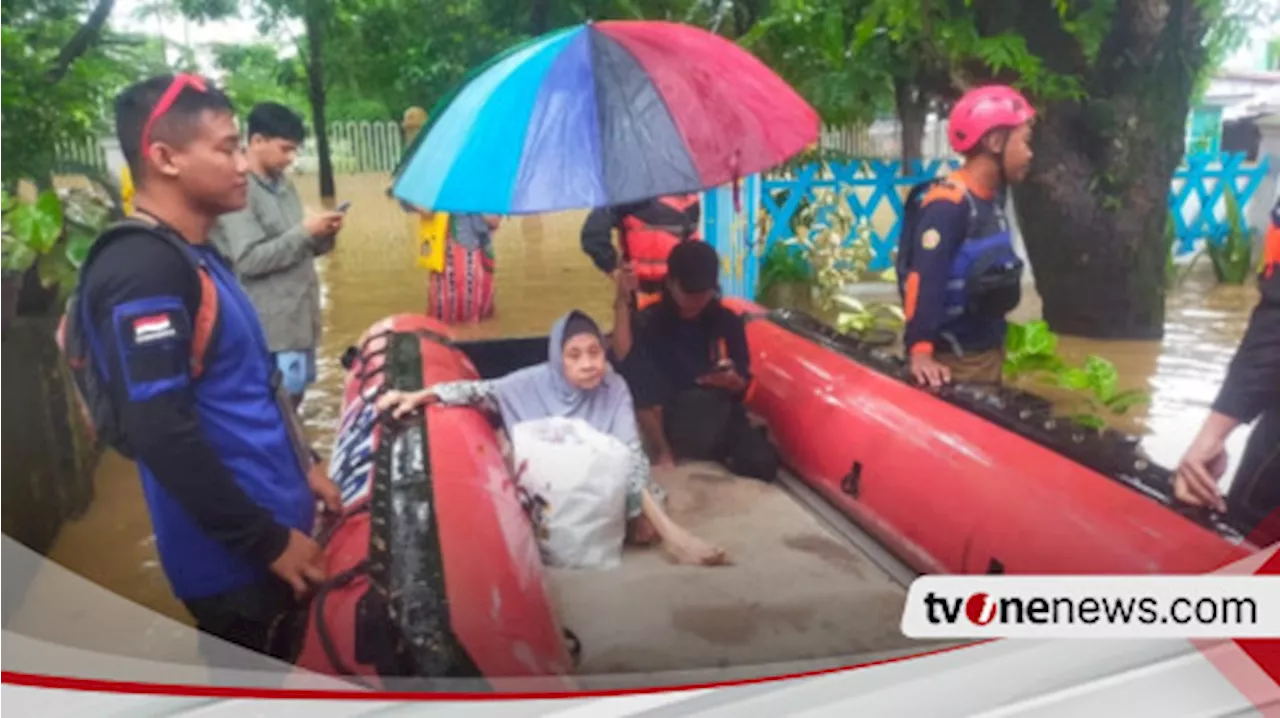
(257, 73)
(61, 67)
(393, 58)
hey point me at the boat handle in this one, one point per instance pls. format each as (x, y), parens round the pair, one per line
(852, 481)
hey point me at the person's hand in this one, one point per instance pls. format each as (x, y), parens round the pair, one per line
(625, 282)
(929, 371)
(1195, 481)
(301, 561)
(728, 379)
(324, 488)
(322, 224)
(402, 403)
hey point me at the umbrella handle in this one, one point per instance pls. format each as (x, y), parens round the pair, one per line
(737, 187)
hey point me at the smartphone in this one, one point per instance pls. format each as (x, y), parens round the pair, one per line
(344, 207)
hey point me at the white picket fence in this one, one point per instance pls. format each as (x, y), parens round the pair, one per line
(86, 152)
(883, 138)
(358, 147)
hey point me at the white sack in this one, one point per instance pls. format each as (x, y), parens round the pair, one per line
(580, 475)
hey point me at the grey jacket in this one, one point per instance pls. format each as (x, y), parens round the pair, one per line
(274, 257)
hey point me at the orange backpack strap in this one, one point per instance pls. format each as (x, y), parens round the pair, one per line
(205, 319)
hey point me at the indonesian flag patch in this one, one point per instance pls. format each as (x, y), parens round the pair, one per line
(152, 328)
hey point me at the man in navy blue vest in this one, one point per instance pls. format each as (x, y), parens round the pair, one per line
(231, 496)
(957, 268)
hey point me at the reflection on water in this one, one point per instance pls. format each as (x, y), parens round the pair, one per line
(541, 273)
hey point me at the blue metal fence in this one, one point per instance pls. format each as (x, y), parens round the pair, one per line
(1197, 198)
(871, 187)
(731, 228)
(875, 188)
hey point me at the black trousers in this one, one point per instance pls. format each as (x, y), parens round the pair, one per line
(709, 425)
(260, 617)
(1255, 492)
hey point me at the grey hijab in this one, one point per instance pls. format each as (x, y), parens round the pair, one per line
(541, 391)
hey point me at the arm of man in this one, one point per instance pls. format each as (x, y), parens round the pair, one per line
(1251, 387)
(650, 389)
(942, 227)
(597, 239)
(735, 339)
(622, 338)
(254, 252)
(1253, 378)
(143, 296)
(324, 244)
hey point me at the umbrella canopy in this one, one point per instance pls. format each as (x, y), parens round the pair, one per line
(603, 114)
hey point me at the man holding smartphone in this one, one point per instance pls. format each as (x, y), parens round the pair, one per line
(690, 369)
(273, 244)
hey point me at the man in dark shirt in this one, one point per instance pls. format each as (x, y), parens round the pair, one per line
(959, 272)
(647, 231)
(1251, 391)
(692, 370)
(230, 491)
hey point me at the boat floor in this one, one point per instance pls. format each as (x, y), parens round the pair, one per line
(796, 590)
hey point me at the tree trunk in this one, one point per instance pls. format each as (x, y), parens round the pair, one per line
(1097, 252)
(540, 17)
(80, 42)
(314, 23)
(1094, 207)
(913, 112)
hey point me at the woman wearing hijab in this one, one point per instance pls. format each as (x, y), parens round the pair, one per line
(575, 382)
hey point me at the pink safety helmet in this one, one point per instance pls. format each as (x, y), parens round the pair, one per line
(983, 109)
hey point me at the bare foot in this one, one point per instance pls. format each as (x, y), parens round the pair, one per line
(693, 551)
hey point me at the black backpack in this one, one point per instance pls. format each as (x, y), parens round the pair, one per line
(76, 341)
(906, 244)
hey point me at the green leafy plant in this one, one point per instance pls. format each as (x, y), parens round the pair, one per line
(821, 233)
(31, 229)
(86, 212)
(53, 234)
(866, 318)
(1032, 350)
(782, 267)
(1232, 258)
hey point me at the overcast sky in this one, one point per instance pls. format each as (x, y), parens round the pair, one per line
(237, 31)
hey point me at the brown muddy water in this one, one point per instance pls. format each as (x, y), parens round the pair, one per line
(541, 273)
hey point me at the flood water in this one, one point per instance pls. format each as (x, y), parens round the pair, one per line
(541, 273)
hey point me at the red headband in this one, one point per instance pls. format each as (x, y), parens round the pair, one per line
(180, 82)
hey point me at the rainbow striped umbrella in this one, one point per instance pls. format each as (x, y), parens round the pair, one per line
(603, 114)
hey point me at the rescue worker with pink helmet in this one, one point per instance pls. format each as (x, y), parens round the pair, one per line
(957, 270)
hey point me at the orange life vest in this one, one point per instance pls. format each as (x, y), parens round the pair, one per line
(1271, 249)
(647, 245)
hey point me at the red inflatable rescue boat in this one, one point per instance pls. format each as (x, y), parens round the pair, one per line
(435, 572)
(968, 480)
